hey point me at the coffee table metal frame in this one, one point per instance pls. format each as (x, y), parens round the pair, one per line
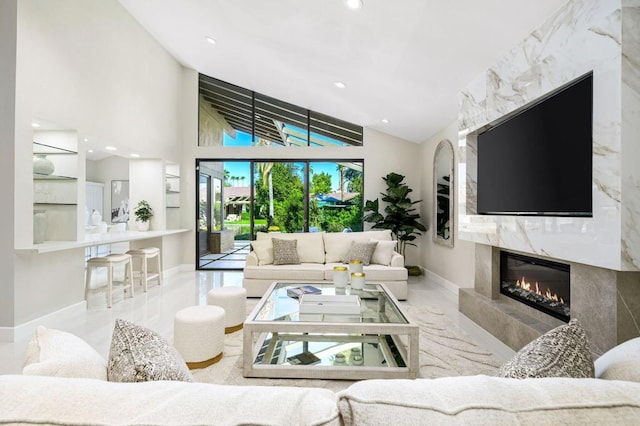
(392, 339)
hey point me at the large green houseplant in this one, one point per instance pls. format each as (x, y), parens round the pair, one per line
(401, 217)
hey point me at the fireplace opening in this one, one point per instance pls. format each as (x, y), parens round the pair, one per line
(539, 283)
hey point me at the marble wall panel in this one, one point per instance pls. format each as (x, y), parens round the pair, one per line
(628, 303)
(583, 36)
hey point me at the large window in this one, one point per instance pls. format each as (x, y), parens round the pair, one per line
(234, 116)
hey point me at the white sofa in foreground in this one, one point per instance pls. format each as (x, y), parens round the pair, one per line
(474, 400)
(318, 253)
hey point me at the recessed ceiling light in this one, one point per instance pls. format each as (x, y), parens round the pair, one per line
(385, 121)
(134, 155)
(353, 4)
(90, 151)
(34, 124)
(110, 148)
(339, 85)
(86, 139)
(210, 40)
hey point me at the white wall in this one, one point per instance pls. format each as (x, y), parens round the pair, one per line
(8, 12)
(86, 65)
(454, 264)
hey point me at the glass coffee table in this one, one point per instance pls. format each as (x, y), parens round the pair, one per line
(372, 341)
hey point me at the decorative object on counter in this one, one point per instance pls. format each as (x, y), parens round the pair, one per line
(96, 217)
(143, 213)
(357, 280)
(167, 185)
(355, 266)
(39, 226)
(42, 165)
(340, 276)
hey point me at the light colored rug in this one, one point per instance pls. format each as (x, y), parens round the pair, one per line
(445, 350)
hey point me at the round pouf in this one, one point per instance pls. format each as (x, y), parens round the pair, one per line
(234, 302)
(198, 334)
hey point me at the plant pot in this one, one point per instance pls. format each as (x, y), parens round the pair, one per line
(142, 226)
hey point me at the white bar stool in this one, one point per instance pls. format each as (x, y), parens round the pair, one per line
(109, 262)
(143, 255)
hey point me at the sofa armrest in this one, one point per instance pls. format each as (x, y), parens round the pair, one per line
(252, 259)
(397, 259)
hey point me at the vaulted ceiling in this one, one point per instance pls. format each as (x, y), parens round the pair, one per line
(403, 61)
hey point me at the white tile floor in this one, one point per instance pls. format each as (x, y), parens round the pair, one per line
(156, 309)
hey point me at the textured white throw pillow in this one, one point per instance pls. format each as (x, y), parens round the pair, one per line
(58, 353)
(264, 251)
(621, 362)
(383, 252)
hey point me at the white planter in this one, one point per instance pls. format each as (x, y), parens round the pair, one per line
(142, 226)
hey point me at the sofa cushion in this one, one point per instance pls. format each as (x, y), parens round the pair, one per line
(621, 362)
(59, 401)
(285, 252)
(138, 354)
(58, 353)
(360, 250)
(303, 271)
(263, 250)
(483, 400)
(310, 244)
(383, 253)
(337, 244)
(561, 352)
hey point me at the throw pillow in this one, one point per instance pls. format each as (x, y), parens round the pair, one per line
(138, 355)
(561, 352)
(383, 253)
(285, 252)
(264, 251)
(362, 251)
(58, 353)
(621, 362)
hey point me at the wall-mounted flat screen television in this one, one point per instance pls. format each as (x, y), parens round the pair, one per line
(539, 161)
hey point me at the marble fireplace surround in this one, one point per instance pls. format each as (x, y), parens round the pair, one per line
(604, 251)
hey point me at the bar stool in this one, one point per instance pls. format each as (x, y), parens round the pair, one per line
(143, 255)
(109, 262)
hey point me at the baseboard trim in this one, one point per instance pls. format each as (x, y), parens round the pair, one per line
(26, 330)
(442, 282)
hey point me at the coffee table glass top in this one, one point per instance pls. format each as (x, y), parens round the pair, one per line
(375, 305)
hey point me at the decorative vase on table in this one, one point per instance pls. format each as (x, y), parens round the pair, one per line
(96, 218)
(42, 165)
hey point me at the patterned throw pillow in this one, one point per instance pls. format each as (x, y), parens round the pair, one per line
(285, 252)
(361, 251)
(561, 352)
(139, 355)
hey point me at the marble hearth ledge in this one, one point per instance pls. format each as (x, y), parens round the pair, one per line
(92, 240)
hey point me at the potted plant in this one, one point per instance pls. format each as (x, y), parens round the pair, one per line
(144, 213)
(400, 218)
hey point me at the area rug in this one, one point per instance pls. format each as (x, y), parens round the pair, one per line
(445, 350)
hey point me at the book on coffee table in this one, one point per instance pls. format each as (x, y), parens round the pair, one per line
(296, 292)
(304, 358)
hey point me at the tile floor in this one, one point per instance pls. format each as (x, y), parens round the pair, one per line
(156, 309)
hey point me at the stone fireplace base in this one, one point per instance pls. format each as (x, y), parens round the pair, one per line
(606, 302)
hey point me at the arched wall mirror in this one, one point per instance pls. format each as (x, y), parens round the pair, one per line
(443, 171)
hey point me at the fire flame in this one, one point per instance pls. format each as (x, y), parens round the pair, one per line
(525, 285)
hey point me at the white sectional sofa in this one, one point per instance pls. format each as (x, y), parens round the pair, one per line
(318, 253)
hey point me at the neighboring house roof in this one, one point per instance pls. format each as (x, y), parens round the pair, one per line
(336, 197)
(236, 194)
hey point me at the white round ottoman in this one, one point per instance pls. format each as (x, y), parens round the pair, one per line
(198, 334)
(234, 302)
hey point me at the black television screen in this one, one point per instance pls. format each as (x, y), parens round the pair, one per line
(539, 162)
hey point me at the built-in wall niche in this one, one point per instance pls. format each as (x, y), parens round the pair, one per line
(55, 185)
(172, 195)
